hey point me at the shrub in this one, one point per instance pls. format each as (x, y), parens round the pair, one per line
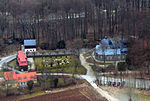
(61, 44)
(30, 85)
(122, 66)
(44, 46)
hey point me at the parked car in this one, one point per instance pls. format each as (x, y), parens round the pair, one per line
(114, 84)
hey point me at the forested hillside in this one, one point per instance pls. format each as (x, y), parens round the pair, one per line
(50, 21)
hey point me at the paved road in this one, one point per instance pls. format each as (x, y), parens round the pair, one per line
(7, 59)
(90, 77)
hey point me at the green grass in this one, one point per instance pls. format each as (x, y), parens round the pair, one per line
(65, 68)
(1, 74)
(68, 68)
(90, 60)
(88, 54)
(31, 95)
(60, 82)
(12, 63)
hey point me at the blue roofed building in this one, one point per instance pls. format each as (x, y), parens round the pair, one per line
(106, 42)
(30, 45)
(111, 49)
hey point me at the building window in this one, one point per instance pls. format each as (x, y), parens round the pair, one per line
(31, 77)
(19, 78)
(110, 57)
(25, 78)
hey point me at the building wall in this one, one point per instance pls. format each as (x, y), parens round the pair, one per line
(30, 50)
(23, 84)
(110, 57)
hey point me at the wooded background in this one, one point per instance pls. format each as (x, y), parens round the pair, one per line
(55, 23)
(50, 21)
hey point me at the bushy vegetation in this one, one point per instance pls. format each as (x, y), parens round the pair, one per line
(13, 63)
(88, 54)
(122, 66)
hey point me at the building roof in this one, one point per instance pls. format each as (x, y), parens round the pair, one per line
(22, 77)
(29, 42)
(112, 46)
(109, 52)
(10, 75)
(117, 51)
(22, 58)
(106, 42)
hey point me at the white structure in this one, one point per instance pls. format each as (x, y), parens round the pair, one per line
(22, 48)
(30, 45)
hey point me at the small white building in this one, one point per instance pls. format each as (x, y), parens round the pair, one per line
(30, 45)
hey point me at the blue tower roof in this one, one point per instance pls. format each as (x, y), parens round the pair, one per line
(106, 42)
(112, 47)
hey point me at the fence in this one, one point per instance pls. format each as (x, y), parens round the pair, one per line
(127, 82)
(45, 54)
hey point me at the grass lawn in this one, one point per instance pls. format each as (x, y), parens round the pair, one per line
(31, 95)
(88, 54)
(90, 60)
(12, 63)
(1, 74)
(69, 67)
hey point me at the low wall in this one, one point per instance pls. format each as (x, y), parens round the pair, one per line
(110, 57)
(44, 54)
